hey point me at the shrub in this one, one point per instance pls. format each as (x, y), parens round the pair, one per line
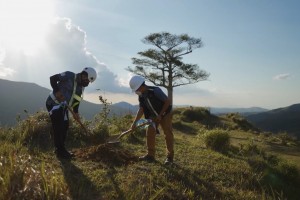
(251, 148)
(284, 138)
(288, 170)
(195, 114)
(120, 124)
(100, 133)
(217, 139)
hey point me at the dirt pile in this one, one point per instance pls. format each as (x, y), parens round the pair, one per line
(106, 153)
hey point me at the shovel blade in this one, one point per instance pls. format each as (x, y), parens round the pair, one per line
(113, 142)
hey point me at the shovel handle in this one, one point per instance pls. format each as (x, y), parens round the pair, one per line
(78, 121)
(130, 130)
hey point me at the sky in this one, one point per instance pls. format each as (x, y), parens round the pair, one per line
(251, 48)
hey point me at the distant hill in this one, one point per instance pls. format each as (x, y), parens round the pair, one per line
(242, 111)
(127, 106)
(16, 97)
(285, 119)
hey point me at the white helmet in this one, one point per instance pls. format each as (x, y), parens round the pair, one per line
(135, 82)
(92, 74)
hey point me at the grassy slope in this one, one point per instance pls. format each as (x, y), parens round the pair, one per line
(31, 170)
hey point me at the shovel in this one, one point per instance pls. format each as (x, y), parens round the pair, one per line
(117, 140)
(78, 120)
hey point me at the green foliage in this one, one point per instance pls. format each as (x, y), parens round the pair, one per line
(120, 124)
(217, 139)
(285, 138)
(100, 133)
(22, 178)
(241, 123)
(103, 115)
(34, 131)
(248, 172)
(288, 170)
(163, 65)
(250, 148)
(195, 114)
(184, 127)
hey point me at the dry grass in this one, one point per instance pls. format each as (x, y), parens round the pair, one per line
(248, 170)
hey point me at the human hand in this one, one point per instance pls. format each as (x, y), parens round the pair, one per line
(133, 125)
(158, 118)
(76, 116)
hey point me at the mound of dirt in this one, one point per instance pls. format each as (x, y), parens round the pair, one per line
(106, 153)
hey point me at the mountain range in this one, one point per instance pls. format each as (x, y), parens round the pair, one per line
(285, 119)
(20, 98)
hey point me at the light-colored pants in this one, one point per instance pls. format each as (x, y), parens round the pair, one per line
(166, 125)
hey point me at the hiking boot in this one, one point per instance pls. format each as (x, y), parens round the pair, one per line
(63, 154)
(147, 158)
(169, 161)
(70, 154)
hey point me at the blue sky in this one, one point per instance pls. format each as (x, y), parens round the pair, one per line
(251, 48)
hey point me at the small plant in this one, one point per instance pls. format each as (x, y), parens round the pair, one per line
(101, 123)
(217, 139)
(105, 110)
(100, 132)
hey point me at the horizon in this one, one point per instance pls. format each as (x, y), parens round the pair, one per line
(176, 105)
(250, 47)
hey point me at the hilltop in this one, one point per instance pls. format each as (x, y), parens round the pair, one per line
(254, 165)
(22, 98)
(284, 119)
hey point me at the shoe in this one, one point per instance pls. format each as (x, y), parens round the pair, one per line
(70, 154)
(147, 158)
(63, 154)
(169, 161)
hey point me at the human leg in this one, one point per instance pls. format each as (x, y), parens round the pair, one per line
(166, 124)
(150, 142)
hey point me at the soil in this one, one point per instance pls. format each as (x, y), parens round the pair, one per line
(109, 154)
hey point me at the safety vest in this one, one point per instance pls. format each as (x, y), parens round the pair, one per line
(74, 96)
(73, 103)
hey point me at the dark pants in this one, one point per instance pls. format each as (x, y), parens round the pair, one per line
(60, 128)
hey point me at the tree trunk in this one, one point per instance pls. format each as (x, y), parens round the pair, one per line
(170, 94)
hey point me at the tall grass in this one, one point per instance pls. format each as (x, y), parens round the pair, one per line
(29, 169)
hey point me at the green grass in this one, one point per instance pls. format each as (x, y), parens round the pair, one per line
(255, 167)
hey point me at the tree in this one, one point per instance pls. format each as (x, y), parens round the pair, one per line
(163, 66)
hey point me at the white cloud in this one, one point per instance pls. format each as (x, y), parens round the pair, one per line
(282, 76)
(5, 72)
(64, 50)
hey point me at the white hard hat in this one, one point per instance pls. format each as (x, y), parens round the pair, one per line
(92, 74)
(135, 82)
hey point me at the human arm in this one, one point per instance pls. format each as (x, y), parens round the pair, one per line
(166, 105)
(54, 84)
(77, 118)
(138, 116)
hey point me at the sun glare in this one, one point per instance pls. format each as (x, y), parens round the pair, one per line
(23, 23)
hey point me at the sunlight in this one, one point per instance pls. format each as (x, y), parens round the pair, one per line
(23, 24)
